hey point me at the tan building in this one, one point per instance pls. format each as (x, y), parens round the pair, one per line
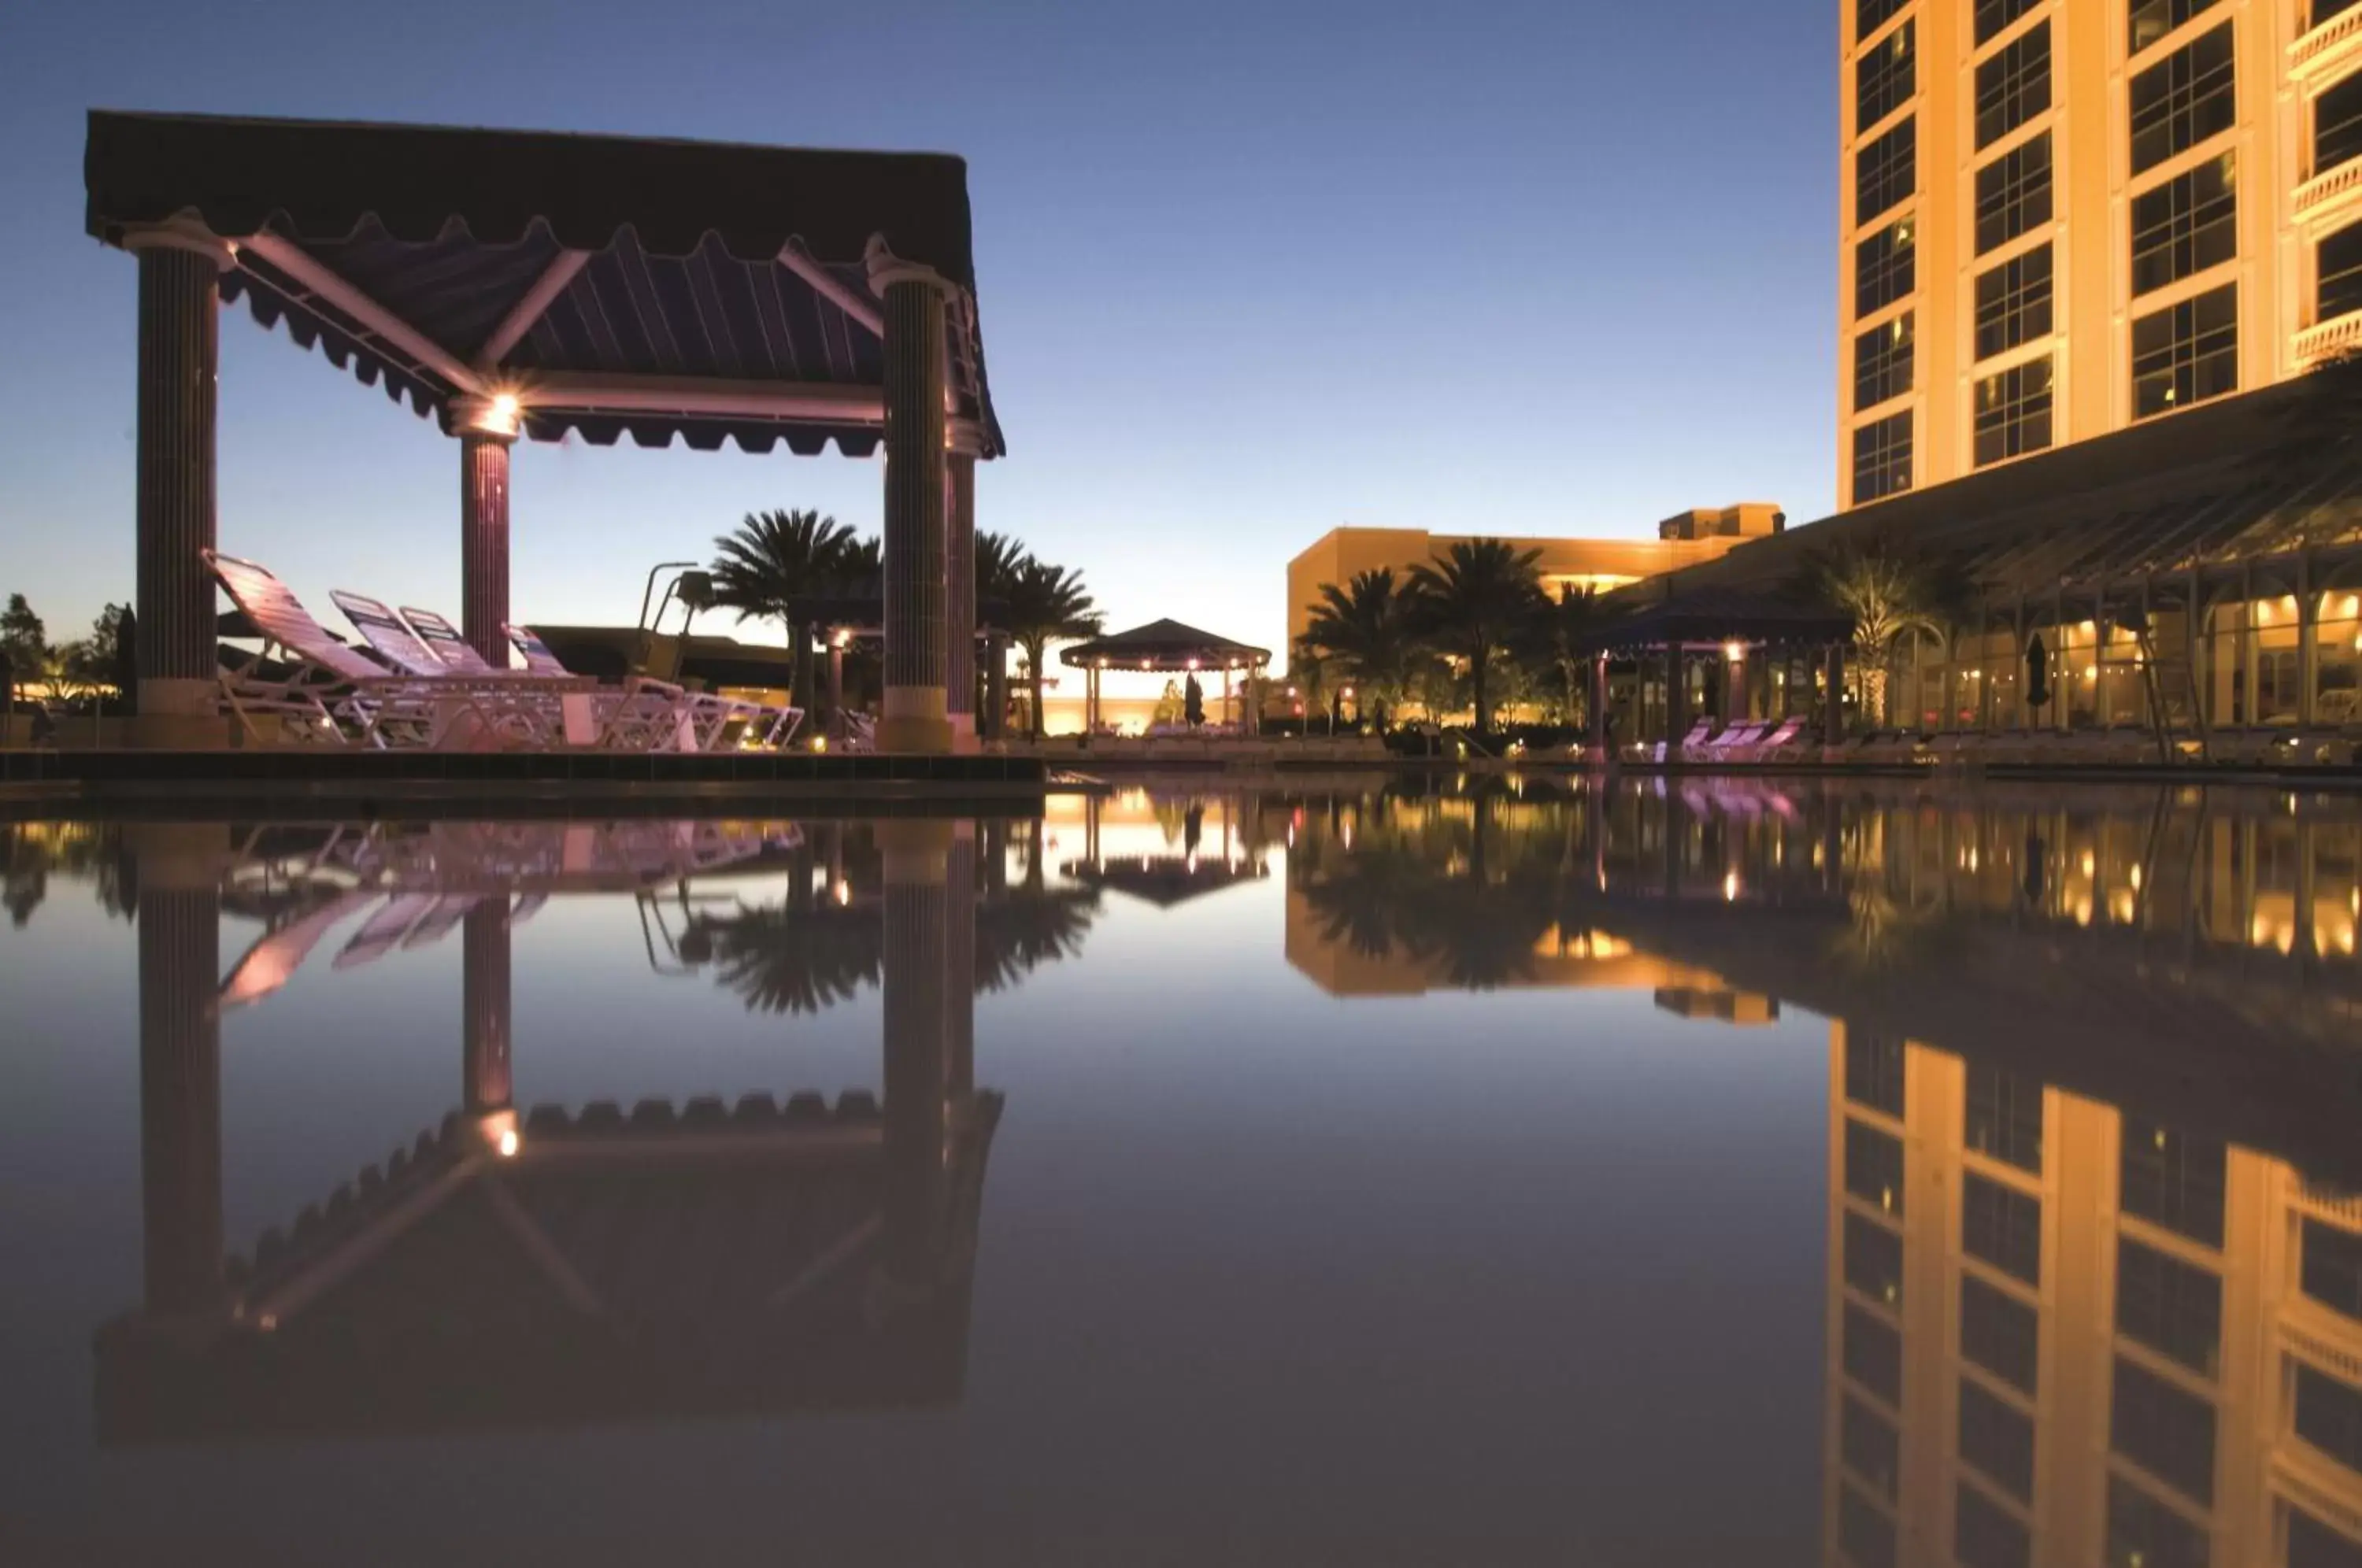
(2061, 1333)
(1686, 539)
(2060, 217)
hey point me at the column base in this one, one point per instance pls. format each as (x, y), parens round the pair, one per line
(915, 720)
(179, 715)
(963, 739)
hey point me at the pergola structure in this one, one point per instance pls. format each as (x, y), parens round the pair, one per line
(514, 284)
(1753, 640)
(1165, 645)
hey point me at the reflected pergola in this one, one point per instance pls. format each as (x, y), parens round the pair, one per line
(562, 1267)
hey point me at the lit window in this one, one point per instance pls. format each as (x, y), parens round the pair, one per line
(2152, 19)
(1873, 1260)
(1882, 362)
(1885, 77)
(1882, 457)
(2013, 86)
(2146, 1533)
(1883, 267)
(1873, 1166)
(2012, 419)
(2186, 353)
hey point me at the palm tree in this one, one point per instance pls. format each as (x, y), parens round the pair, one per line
(1046, 602)
(998, 559)
(1888, 596)
(1365, 628)
(1472, 601)
(1560, 628)
(776, 558)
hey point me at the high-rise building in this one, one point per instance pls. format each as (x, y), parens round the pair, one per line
(2060, 217)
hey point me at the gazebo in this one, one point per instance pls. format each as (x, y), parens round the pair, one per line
(1166, 645)
(1745, 636)
(514, 284)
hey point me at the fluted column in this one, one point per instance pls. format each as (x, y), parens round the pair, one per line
(484, 1007)
(180, 1086)
(1598, 703)
(959, 590)
(179, 317)
(919, 1047)
(1677, 699)
(486, 428)
(916, 711)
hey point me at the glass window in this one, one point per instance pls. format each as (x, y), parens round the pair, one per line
(2340, 264)
(1882, 362)
(1885, 77)
(1873, 1068)
(2329, 1415)
(2332, 1272)
(2013, 192)
(1871, 1447)
(2014, 302)
(2013, 419)
(2189, 95)
(1874, 1354)
(2185, 226)
(1997, 1439)
(1882, 457)
(2003, 1226)
(2166, 1431)
(2166, 1305)
(1873, 1166)
(2152, 19)
(1984, 1535)
(1864, 1534)
(1883, 267)
(2172, 1180)
(1868, 16)
(1884, 172)
(1992, 16)
(2337, 125)
(2013, 84)
(1873, 1260)
(2312, 1544)
(2005, 1116)
(1999, 1333)
(2185, 354)
(2145, 1533)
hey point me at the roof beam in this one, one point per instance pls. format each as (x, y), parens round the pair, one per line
(817, 403)
(382, 324)
(535, 303)
(797, 259)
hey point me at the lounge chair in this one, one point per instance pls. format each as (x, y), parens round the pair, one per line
(479, 703)
(700, 720)
(325, 691)
(275, 956)
(1775, 740)
(591, 713)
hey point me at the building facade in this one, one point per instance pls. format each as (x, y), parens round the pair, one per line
(2062, 217)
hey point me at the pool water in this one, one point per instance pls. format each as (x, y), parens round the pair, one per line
(1656, 1172)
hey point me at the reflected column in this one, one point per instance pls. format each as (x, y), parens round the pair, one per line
(180, 1068)
(484, 1020)
(919, 999)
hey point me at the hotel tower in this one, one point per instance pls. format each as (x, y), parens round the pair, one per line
(2061, 218)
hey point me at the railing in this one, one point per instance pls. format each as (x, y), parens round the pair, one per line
(2331, 336)
(2324, 1204)
(2343, 28)
(2325, 188)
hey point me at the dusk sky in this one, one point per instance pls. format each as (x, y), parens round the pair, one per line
(1248, 272)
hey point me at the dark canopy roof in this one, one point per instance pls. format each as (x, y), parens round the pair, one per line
(1720, 616)
(1166, 880)
(660, 287)
(1165, 645)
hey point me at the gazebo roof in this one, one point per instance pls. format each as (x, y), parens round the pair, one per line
(609, 285)
(1164, 644)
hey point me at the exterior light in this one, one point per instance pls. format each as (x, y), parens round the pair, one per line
(1730, 887)
(1734, 651)
(504, 407)
(844, 893)
(508, 1145)
(820, 742)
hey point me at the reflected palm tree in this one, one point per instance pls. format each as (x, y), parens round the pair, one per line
(1028, 927)
(784, 960)
(31, 853)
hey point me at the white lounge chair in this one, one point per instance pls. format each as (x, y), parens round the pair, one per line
(326, 689)
(275, 956)
(707, 715)
(478, 706)
(591, 713)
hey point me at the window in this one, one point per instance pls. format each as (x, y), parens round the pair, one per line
(2184, 98)
(1992, 16)
(2332, 1272)
(2340, 266)
(2311, 1544)
(1882, 457)
(1999, 1333)
(1885, 77)
(2172, 1180)
(2013, 192)
(1874, 1354)
(1865, 1535)
(2013, 419)
(2013, 86)
(2004, 1116)
(1873, 1166)
(2152, 19)
(2329, 1416)
(2145, 1533)
(1873, 1068)
(2167, 1432)
(1882, 362)
(1884, 270)
(2337, 125)
(1997, 1439)
(1986, 1536)
(2182, 354)
(1871, 1447)
(1868, 16)
(1873, 1260)
(2014, 302)
(1884, 172)
(2173, 1309)
(2003, 1226)
(2185, 226)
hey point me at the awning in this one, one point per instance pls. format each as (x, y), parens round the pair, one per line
(610, 284)
(1164, 644)
(1718, 615)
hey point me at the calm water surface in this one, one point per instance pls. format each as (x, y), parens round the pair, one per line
(1714, 1174)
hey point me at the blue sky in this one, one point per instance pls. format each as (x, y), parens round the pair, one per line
(1248, 271)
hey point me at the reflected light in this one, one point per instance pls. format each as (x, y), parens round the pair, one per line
(844, 893)
(1730, 887)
